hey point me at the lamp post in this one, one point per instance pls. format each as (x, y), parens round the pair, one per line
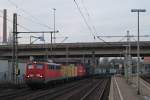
(138, 48)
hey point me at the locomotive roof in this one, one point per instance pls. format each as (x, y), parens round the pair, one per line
(54, 64)
(50, 63)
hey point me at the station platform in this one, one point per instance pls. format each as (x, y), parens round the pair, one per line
(144, 88)
(121, 90)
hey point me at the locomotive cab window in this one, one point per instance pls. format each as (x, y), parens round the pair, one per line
(57, 67)
(54, 67)
(30, 66)
(39, 66)
(51, 67)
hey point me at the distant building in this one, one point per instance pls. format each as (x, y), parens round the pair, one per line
(147, 64)
(146, 60)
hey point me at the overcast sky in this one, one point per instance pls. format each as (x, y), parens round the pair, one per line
(109, 17)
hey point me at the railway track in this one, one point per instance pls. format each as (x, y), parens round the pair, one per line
(97, 89)
(146, 78)
(41, 94)
(51, 94)
(79, 90)
(10, 94)
(96, 92)
(71, 91)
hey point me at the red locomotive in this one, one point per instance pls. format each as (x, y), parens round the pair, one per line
(41, 73)
(81, 71)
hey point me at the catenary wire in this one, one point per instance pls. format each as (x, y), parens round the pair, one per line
(88, 26)
(32, 18)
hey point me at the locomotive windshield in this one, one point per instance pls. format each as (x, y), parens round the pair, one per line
(30, 66)
(39, 66)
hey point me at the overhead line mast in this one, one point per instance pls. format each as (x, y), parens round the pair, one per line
(15, 45)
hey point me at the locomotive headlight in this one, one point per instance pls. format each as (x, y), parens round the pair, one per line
(38, 75)
(28, 76)
(41, 76)
(35, 62)
(31, 75)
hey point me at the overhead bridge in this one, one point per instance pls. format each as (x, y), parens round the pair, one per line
(60, 50)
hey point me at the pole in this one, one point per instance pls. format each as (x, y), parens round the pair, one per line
(138, 55)
(16, 61)
(83, 59)
(130, 57)
(54, 26)
(93, 59)
(30, 39)
(5, 26)
(14, 48)
(128, 66)
(126, 60)
(51, 45)
(129, 54)
(138, 48)
(93, 63)
(67, 55)
(124, 64)
(120, 68)
(46, 51)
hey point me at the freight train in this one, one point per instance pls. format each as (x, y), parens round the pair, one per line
(42, 73)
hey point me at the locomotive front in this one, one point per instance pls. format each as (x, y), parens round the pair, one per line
(35, 74)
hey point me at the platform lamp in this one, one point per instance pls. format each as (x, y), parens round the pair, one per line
(138, 48)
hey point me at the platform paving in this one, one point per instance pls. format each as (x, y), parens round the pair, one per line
(121, 90)
(144, 87)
